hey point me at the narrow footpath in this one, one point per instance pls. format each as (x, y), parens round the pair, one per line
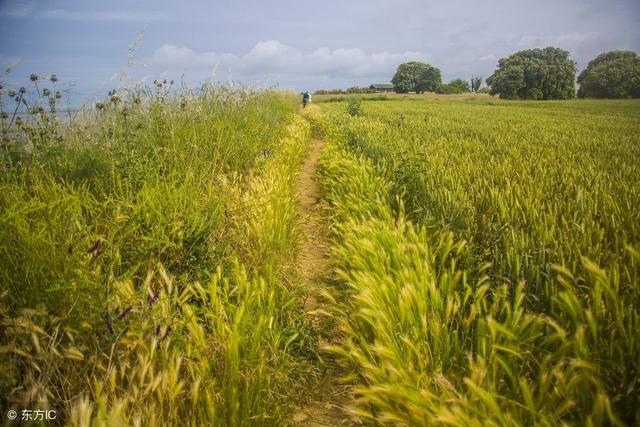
(328, 402)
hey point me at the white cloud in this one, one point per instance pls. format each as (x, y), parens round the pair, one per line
(271, 56)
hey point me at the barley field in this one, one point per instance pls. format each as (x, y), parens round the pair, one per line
(482, 263)
(491, 256)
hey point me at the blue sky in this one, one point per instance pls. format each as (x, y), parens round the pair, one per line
(299, 45)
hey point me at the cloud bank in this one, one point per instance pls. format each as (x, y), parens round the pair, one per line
(273, 57)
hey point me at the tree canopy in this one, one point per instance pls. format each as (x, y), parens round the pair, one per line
(546, 73)
(416, 77)
(614, 74)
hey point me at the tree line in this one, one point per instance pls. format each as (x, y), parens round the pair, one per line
(541, 74)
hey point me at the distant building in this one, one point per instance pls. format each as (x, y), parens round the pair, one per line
(382, 88)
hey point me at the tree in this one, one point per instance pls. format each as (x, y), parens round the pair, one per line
(416, 77)
(546, 73)
(476, 82)
(614, 74)
(455, 86)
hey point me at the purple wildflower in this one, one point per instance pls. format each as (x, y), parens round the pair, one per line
(154, 298)
(109, 326)
(124, 313)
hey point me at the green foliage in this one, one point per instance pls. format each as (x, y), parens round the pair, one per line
(147, 261)
(356, 89)
(489, 282)
(544, 74)
(455, 86)
(614, 74)
(354, 106)
(416, 77)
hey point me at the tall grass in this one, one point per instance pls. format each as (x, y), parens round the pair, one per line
(491, 261)
(146, 260)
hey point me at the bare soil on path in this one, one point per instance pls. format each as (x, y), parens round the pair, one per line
(330, 398)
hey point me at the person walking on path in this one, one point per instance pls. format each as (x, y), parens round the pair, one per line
(306, 99)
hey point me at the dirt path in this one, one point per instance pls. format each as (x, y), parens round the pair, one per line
(328, 400)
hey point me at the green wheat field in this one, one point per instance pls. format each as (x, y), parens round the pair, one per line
(485, 260)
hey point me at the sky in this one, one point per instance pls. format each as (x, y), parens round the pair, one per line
(94, 46)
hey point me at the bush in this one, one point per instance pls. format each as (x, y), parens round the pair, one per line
(455, 86)
(354, 106)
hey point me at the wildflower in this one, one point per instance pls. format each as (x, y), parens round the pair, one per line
(154, 298)
(137, 100)
(95, 249)
(46, 92)
(11, 93)
(108, 323)
(58, 94)
(124, 313)
(18, 121)
(33, 77)
(52, 102)
(53, 78)
(99, 105)
(22, 90)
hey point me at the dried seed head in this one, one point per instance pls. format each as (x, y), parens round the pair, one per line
(33, 77)
(5, 115)
(11, 93)
(137, 100)
(46, 92)
(53, 78)
(18, 121)
(52, 101)
(58, 94)
(99, 105)
(23, 90)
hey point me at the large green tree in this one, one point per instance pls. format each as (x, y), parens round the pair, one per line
(546, 73)
(614, 74)
(416, 77)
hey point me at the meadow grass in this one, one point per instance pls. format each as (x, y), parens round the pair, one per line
(147, 260)
(490, 250)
